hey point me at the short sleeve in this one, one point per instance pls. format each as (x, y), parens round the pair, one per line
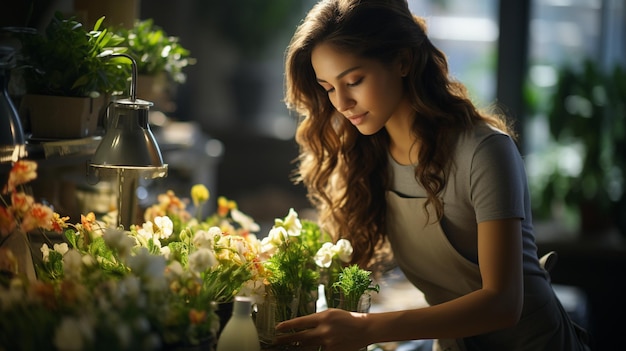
(497, 179)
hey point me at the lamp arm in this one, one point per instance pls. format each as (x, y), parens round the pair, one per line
(133, 78)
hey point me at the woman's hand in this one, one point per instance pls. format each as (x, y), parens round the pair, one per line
(333, 329)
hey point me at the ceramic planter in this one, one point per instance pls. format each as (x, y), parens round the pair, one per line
(61, 117)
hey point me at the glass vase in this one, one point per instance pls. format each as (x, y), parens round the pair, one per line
(272, 311)
(363, 305)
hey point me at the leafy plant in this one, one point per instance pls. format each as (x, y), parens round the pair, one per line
(290, 266)
(353, 282)
(69, 60)
(587, 120)
(155, 51)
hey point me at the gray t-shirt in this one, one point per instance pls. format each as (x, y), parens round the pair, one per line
(486, 182)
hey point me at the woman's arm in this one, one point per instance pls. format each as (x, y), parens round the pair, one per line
(497, 305)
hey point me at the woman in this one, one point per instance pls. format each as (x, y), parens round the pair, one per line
(393, 150)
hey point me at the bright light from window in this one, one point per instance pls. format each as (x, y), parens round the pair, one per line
(463, 28)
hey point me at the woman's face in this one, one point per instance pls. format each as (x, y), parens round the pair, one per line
(365, 91)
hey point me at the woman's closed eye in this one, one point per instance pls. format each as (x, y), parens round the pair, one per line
(357, 82)
(350, 85)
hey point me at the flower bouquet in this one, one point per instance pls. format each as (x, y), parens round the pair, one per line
(219, 253)
(297, 257)
(20, 214)
(158, 285)
(152, 287)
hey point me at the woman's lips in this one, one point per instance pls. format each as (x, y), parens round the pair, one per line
(357, 119)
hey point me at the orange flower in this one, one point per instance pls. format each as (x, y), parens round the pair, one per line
(21, 203)
(224, 206)
(22, 172)
(59, 223)
(39, 216)
(168, 204)
(87, 221)
(196, 317)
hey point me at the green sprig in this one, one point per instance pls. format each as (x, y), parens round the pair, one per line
(353, 282)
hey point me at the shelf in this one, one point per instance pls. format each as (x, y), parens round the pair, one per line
(62, 150)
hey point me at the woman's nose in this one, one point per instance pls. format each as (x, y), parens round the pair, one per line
(343, 101)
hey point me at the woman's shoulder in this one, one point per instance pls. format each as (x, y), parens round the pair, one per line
(474, 136)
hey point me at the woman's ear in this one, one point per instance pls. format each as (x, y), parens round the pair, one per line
(405, 62)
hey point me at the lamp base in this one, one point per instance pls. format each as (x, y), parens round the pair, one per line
(128, 178)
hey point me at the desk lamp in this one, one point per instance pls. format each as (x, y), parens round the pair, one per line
(12, 140)
(128, 149)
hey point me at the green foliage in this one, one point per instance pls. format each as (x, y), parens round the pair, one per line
(155, 51)
(587, 118)
(287, 267)
(68, 60)
(312, 236)
(353, 282)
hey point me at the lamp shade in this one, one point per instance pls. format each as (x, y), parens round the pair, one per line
(128, 141)
(12, 140)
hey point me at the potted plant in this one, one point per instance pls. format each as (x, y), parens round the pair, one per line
(68, 61)
(585, 168)
(160, 61)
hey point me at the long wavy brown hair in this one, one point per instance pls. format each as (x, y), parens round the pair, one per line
(345, 172)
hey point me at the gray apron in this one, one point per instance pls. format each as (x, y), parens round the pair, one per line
(430, 262)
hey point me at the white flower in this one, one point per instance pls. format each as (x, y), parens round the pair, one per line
(149, 267)
(276, 237)
(291, 223)
(61, 248)
(237, 243)
(166, 252)
(146, 233)
(244, 220)
(324, 256)
(88, 261)
(98, 228)
(45, 252)
(72, 264)
(205, 239)
(344, 250)
(156, 241)
(254, 288)
(119, 240)
(201, 260)
(165, 226)
(215, 231)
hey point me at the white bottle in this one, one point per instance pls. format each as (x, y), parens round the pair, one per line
(321, 304)
(239, 333)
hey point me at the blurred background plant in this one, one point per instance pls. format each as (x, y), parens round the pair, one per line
(583, 169)
(69, 60)
(155, 51)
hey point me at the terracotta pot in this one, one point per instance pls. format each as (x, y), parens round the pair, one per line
(61, 117)
(117, 13)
